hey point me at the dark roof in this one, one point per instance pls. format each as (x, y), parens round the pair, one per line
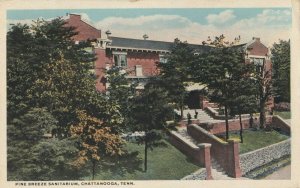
(129, 43)
(141, 44)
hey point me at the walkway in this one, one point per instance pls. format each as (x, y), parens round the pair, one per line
(283, 173)
(203, 117)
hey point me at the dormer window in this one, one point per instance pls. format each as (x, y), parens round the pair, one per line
(120, 59)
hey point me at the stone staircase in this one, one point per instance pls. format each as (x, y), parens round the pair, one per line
(217, 171)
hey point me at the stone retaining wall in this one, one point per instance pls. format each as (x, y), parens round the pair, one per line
(257, 158)
(198, 175)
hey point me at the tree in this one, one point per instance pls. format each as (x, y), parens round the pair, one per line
(281, 70)
(243, 97)
(47, 69)
(150, 113)
(121, 92)
(32, 157)
(174, 72)
(96, 140)
(264, 91)
(217, 69)
(48, 82)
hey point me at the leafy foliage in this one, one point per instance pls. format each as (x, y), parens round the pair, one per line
(219, 69)
(31, 156)
(281, 70)
(174, 72)
(95, 140)
(150, 111)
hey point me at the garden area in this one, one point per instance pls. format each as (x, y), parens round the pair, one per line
(165, 162)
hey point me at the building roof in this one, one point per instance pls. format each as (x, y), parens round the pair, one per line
(129, 43)
(137, 43)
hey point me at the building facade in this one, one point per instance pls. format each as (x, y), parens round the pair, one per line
(139, 57)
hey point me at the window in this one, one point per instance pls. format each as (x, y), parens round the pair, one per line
(120, 59)
(259, 62)
(163, 59)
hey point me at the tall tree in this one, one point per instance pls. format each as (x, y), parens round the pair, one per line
(217, 70)
(121, 91)
(150, 113)
(47, 69)
(281, 70)
(174, 72)
(243, 96)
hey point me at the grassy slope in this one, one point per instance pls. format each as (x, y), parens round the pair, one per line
(258, 139)
(164, 163)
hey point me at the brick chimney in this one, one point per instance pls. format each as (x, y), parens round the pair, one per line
(75, 17)
(256, 39)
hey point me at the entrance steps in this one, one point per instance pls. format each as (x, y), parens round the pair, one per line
(217, 171)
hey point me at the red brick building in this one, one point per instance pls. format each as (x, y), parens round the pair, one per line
(139, 57)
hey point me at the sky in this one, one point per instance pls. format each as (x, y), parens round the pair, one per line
(190, 24)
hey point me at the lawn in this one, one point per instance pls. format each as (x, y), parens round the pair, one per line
(258, 139)
(283, 114)
(164, 163)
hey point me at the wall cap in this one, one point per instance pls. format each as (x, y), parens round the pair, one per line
(204, 145)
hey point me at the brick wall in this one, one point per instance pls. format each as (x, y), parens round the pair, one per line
(200, 153)
(85, 30)
(225, 153)
(234, 125)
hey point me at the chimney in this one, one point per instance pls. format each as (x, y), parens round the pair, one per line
(75, 17)
(256, 39)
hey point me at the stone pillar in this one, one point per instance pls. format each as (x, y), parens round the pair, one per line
(234, 159)
(206, 159)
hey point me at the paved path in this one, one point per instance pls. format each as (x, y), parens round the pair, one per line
(283, 173)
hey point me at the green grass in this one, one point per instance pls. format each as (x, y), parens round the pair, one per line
(258, 139)
(283, 114)
(164, 163)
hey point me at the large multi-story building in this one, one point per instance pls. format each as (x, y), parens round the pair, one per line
(139, 57)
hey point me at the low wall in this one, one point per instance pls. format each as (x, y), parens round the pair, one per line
(225, 153)
(186, 146)
(279, 123)
(257, 158)
(200, 153)
(234, 125)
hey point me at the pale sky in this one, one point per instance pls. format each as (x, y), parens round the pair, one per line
(191, 25)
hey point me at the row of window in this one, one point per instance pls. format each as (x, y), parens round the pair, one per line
(120, 59)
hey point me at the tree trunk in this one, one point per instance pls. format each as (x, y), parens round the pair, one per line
(251, 120)
(181, 111)
(146, 150)
(262, 115)
(93, 169)
(226, 123)
(241, 130)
